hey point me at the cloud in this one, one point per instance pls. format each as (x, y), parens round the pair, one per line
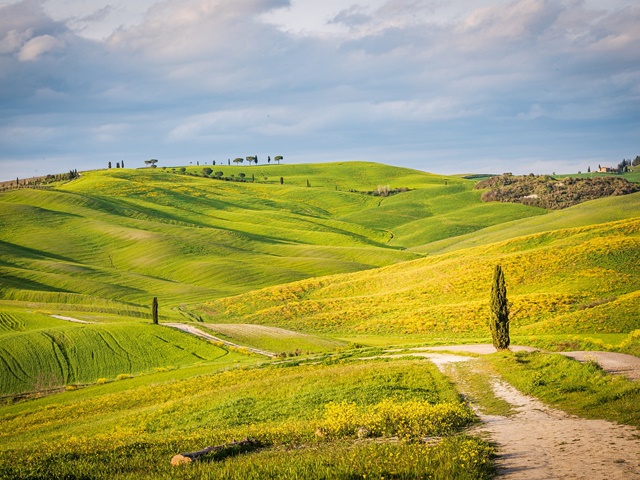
(491, 79)
(37, 46)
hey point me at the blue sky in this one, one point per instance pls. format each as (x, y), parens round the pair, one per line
(443, 86)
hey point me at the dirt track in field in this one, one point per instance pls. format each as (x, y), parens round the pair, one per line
(538, 442)
(617, 363)
(207, 336)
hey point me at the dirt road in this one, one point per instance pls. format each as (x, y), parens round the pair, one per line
(617, 363)
(541, 443)
(207, 336)
(538, 442)
(69, 319)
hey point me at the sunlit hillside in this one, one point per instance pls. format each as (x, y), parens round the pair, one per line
(112, 240)
(565, 280)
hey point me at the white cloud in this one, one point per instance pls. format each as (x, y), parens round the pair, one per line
(38, 46)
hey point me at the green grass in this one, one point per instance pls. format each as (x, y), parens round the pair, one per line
(475, 382)
(126, 235)
(633, 176)
(572, 281)
(273, 339)
(582, 389)
(589, 213)
(41, 353)
(132, 433)
(101, 247)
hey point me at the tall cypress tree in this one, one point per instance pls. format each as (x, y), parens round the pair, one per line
(154, 310)
(499, 321)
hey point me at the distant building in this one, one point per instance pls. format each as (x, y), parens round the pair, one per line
(605, 169)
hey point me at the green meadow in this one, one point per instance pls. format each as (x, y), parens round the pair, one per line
(302, 261)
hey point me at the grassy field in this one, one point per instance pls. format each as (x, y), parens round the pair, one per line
(577, 280)
(581, 389)
(43, 353)
(306, 419)
(101, 247)
(309, 268)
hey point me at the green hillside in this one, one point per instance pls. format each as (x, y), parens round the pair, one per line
(38, 352)
(326, 258)
(113, 239)
(573, 280)
(301, 269)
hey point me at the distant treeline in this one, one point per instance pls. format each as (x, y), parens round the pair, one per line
(547, 192)
(38, 182)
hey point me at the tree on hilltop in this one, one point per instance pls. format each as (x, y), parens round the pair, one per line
(277, 158)
(238, 160)
(499, 320)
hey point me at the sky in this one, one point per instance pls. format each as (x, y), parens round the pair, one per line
(458, 86)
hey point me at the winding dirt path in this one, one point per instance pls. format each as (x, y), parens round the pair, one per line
(538, 442)
(611, 362)
(207, 336)
(541, 443)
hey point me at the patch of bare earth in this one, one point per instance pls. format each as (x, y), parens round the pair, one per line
(539, 442)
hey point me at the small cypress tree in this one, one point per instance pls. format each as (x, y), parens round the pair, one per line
(154, 310)
(281, 180)
(499, 321)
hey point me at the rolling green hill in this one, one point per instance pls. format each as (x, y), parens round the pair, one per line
(288, 268)
(113, 239)
(572, 280)
(325, 258)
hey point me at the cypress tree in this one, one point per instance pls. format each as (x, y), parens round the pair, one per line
(499, 321)
(154, 310)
